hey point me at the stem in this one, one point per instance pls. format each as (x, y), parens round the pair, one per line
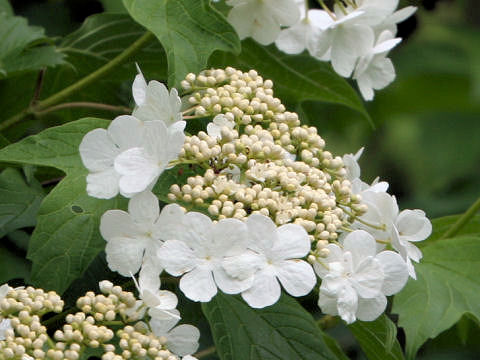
(208, 351)
(85, 104)
(38, 87)
(463, 220)
(325, 7)
(80, 84)
(57, 317)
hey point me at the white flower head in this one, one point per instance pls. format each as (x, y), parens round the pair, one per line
(154, 102)
(182, 340)
(214, 128)
(374, 70)
(198, 253)
(262, 19)
(356, 280)
(134, 237)
(274, 257)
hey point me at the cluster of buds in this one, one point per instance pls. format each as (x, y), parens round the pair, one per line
(260, 159)
(102, 316)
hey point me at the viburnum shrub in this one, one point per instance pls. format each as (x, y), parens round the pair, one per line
(215, 190)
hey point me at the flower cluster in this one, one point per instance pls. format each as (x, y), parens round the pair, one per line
(267, 195)
(355, 36)
(23, 334)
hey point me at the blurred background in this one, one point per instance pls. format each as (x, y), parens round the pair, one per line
(426, 143)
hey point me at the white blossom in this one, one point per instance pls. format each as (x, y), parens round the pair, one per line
(181, 340)
(374, 70)
(214, 128)
(198, 252)
(274, 257)
(350, 161)
(262, 19)
(134, 237)
(154, 102)
(356, 280)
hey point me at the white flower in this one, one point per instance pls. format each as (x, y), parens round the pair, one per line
(261, 19)
(350, 161)
(139, 167)
(214, 128)
(134, 237)
(5, 324)
(359, 187)
(390, 23)
(374, 70)
(154, 102)
(410, 226)
(198, 254)
(181, 340)
(275, 257)
(356, 279)
(4, 289)
(160, 303)
(100, 148)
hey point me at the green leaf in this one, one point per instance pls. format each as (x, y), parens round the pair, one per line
(446, 288)
(284, 331)
(21, 47)
(378, 339)
(19, 201)
(296, 77)
(12, 266)
(67, 238)
(334, 346)
(189, 30)
(441, 225)
(114, 6)
(5, 7)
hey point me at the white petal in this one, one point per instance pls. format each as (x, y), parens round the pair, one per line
(370, 309)
(413, 225)
(285, 12)
(162, 323)
(4, 289)
(265, 30)
(157, 142)
(327, 303)
(395, 271)
(117, 223)
(402, 14)
(229, 237)
(183, 339)
(104, 184)
(137, 170)
(139, 89)
(293, 40)
(169, 223)
(348, 44)
(197, 232)
(176, 257)
(368, 278)
(149, 277)
(241, 19)
(320, 19)
(144, 207)
(265, 290)
(361, 245)
(244, 265)
(5, 324)
(262, 232)
(126, 131)
(296, 276)
(229, 284)
(198, 284)
(97, 150)
(335, 255)
(347, 304)
(125, 255)
(292, 243)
